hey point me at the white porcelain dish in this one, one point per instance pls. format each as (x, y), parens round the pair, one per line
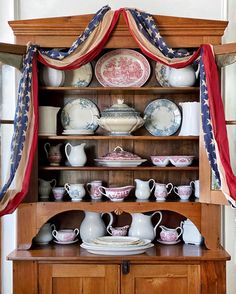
(168, 242)
(80, 77)
(106, 250)
(122, 68)
(77, 132)
(117, 240)
(163, 117)
(181, 160)
(140, 243)
(119, 163)
(66, 242)
(79, 114)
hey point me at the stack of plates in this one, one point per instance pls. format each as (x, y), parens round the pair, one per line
(111, 245)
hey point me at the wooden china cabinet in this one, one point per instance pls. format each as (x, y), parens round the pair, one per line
(163, 268)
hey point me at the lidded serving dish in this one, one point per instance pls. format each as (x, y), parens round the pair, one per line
(120, 158)
(120, 119)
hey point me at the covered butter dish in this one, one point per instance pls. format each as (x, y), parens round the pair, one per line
(120, 119)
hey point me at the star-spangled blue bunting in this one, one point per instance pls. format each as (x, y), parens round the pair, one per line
(148, 28)
(206, 122)
(21, 117)
(59, 55)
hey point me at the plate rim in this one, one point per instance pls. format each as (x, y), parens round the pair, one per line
(106, 84)
(169, 101)
(158, 63)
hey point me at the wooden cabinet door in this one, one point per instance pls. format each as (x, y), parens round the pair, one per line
(168, 279)
(79, 278)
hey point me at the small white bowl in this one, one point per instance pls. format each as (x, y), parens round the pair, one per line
(181, 160)
(160, 161)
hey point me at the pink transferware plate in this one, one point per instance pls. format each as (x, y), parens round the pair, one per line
(122, 68)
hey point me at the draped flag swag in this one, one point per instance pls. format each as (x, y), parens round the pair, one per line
(87, 46)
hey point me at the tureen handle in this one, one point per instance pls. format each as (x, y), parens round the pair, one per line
(118, 147)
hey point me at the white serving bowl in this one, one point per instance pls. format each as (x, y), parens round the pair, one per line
(181, 160)
(160, 161)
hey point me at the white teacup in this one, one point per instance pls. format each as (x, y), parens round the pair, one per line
(58, 193)
(65, 235)
(161, 191)
(183, 191)
(195, 185)
(75, 191)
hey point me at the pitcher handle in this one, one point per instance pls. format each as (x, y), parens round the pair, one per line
(66, 148)
(176, 190)
(159, 219)
(109, 230)
(171, 188)
(46, 146)
(111, 219)
(54, 233)
(192, 184)
(53, 182)
(181, 231)
(76, 231)
(88, 187)
(153, 184)
(67, 187)
(53, 227)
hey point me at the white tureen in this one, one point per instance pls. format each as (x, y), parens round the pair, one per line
(120, 119)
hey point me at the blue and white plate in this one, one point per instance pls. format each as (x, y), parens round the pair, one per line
(80, 116)
(163, 117)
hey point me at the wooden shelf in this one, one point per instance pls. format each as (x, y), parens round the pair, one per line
(106, 168)
(135, 138)
(159, 252)
(116, 90)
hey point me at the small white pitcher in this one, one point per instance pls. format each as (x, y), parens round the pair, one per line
(191, 119)
(75, 191)
(143, 189)
(76, 156)
(45, 188)
(48, 120)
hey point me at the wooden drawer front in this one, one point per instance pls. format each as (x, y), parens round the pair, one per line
(68, 279)
(168, 279)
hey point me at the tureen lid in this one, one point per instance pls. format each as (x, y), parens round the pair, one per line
(120, 106)
(119, 154)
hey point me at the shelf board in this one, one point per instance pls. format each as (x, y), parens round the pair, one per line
(118, 90)
(135, 138)
(103, 168)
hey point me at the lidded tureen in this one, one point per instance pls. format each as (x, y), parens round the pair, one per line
(120, 119)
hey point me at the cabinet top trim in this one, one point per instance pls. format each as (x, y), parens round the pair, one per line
(62, 31)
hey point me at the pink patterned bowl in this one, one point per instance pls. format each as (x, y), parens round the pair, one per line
(160, 161)
(181, 160)
(116, 194)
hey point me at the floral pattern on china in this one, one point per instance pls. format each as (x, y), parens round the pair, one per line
(120, 158)
(122, 68)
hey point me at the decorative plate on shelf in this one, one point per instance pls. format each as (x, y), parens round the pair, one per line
(79, 114)
(163, 117)
(122, 68)
(162, 74)
(80, 77)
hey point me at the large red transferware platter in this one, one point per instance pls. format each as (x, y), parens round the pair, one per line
(122, 68)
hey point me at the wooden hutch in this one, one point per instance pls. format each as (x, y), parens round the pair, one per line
(163, 268)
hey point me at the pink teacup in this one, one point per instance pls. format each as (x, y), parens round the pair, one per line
(159, 160)
(118, 231)
(58, 193)
(92, 188)
(184, 191)
(170, 235)
(65, 235)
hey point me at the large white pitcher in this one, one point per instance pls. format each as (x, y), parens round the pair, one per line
(191, 119)
(182, 77)
(143, 189)
(93, 226)
(48, 120)
(141, 225)
(76, 156)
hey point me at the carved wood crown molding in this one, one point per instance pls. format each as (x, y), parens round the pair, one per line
(64, 30)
